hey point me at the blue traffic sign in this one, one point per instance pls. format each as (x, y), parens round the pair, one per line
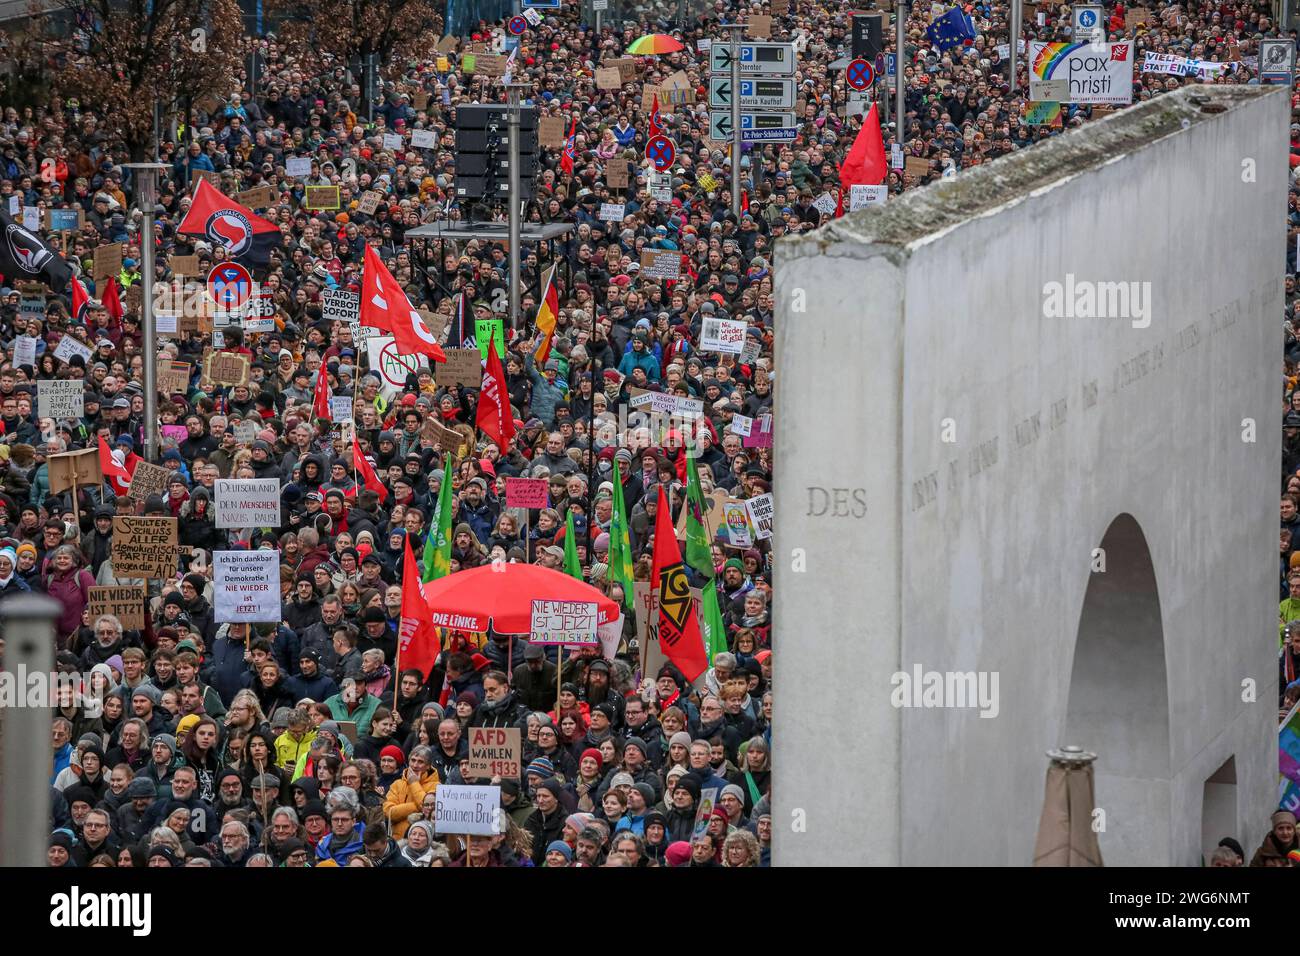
(891, 65)
(859, 75)
(787, 135)
(517, 25)
(660, 151)
(229, 285)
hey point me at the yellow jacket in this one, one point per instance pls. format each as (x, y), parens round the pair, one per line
(405, 798)
(288, 751)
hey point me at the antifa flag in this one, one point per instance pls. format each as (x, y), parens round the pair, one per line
(247, 238)
(24, 257)
(679, 628)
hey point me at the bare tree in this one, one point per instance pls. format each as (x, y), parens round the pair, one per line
(124, 56)
(393, 30)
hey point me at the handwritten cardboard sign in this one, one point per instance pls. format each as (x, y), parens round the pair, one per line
(125, 602)
(144, 547)
(226, 368)
(321, 198)
(526, 492)
(463, 367)
(147, 480)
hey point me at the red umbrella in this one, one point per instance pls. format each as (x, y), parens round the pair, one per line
(503, 595)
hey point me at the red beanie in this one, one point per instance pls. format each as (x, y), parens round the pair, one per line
(593, 753)
(394, 751)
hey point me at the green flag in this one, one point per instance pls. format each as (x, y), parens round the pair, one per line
(715, 634)
(698, 553)
(571, 566)
(620, 545)
(437, 546)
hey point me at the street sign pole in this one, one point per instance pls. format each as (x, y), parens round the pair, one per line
(513, 92)
(735, 117)
(146, 197)
(900, 107)
(1015, 41)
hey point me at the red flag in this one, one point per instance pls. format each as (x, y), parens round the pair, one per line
(865, 165)
(385, 306)
(246, 237)
(655, 128)
(113, 300)
(679, 628)
(494, 417)
(367, 473)
(570, 142)
(320, 401)
(108, 464)
(80, 299)
(417, 638)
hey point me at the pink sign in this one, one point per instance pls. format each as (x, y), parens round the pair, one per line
(760, 433)
(179, 432)
(526, 492)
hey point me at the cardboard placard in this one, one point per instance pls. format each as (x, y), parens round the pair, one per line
(527, 492)
(1136, 16)
(551, 132)
(148, 480)
(226, 368)
(60, 398)
(444, 439)
(495, 752)
(183, 265)
(198, 175)
(321, 198)
(108, 261)
(145, 547)
(626, 66)
(125, 602)
(83, 465)
(618, 174)
(448, 44)
(661, 263)
(490, 65)
(174, 377)
(70, 346)
(467, 810)
(759, 26)
(781, 7)
(917, 166)
(608, 79)
(259, 197)
(463, 367)
(368, 204)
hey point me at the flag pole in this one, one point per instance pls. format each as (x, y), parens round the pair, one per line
(900, 17)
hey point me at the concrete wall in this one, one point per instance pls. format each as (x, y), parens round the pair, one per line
(976, 554)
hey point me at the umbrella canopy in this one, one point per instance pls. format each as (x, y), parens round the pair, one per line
(652, 44)
(502, 596)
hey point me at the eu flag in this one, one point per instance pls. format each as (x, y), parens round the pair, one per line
(951, 29)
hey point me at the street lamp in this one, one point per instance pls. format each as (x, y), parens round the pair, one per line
(145, 176)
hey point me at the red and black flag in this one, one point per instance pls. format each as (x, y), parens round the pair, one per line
(23, 257)
(246, 237)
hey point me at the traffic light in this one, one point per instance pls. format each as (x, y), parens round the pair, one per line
(483, 151)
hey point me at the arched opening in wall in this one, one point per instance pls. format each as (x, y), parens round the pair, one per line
(1219, 808)
(1119, 700)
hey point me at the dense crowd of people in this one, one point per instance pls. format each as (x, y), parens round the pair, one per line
(196, 742)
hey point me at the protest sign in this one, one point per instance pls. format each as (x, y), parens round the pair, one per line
(861, 196)
(247, 585)
(108, 261)
(82, 465)
(147, 480)
(722, 335)
(472, 811)
(392, 142)
(60, 398)
(661, 264)
(708, 800)
(611, 212)
(146, 548)
(759, 26)
(368, 204)
(626, 66)
(485, 329)
(183, 265)
(424, 139)
(246, 432)
(618, 175)
(177, 433)
(125, 602)
(174, 377)
(550, 131)
(739, 532)
(760, 436)
(661, 403)
(248, 502)
(297, 166)
(563, 622)
(646, 602)
(607, 79)
(443, 438)
(226, 368)
(338, 305)
(526, 492)
(495, 752)
(69, 347)
(259, 197)
(321, 197)
(1097, 73)
(65, 220)
(340, 409)
(393, 366)
(917, 166)
(463, 367)
(760, 515)
(25, 351)
(741, 424)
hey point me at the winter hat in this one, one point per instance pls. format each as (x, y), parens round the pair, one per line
(578, 821)
(165, 853)
(622, 780)
(681, 737)
(638, 743)
(115, 662)
(141, 788)
(186, 724)
(594, 754)
(542, 767)
(647, 793)
(1283, 816)
(690, 785)
(559, 846)
(167, 740)
(734, 790)
(552, 785)
(148, 690)
(314, 808)
(678, 854)
(392, 750)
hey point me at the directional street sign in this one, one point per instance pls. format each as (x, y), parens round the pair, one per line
(787, 135)
(755, 94)
(720, 127)
(767, 120)
(763, 59)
